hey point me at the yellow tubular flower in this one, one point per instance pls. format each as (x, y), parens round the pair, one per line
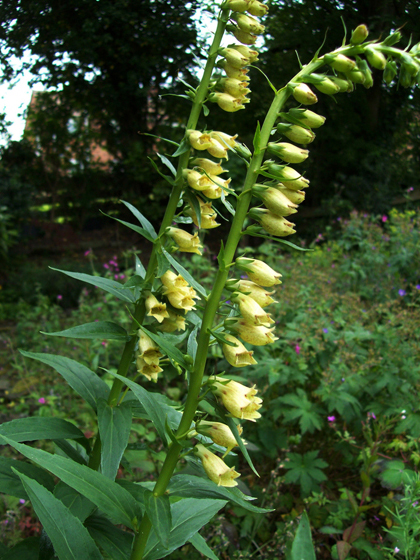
(234, 87)
(219, 433)
(225, 139)
(171, 281)
(213, 192)
(208, 215)
(259, 272)
(239, 401)
(215, 468)
(180, 300)
(294, 196)
(209, 166)
(186, 242)
(217, 149)
(232, 72)
(227, 102)
(172, 323)
(248, 24)
(276, 201)
(155, 308)
(257, 293)
(234, 57)
(251, 54)
(198, 140)
(196, 180)
(149, 352)
(237, 356)
(257, 8)
(251, 311)
(150, 371)
(253, 334)
(244, 37)
(272, 223)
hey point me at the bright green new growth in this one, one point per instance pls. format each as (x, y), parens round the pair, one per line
(166, 299)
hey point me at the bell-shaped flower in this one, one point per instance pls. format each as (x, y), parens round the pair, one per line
(208, 215)
(307, 117)
(251, 311)
(155, 308)
(327, 86)
(234, 87)
(209, 166)
(213, 192)
(251, 54)
(148, 349)
(238, 355)
(244, 37)
(186, 242)
(257, 8)
(196, 180)
(225, 139)
(172, 323)
(219, 433)
(253, 334)
(234, 57)
(150, 371)
(218, 149)
(287, 152)
(257, 293)
(248, 24)
(173, 281)
(227, 102)
(272, 223)
(294, 196)
(259, 272)
(290, 178)
(233, 72)
(240, 401)
(303, 94)
(236, 5)
(181, 299)
(276, 201)
(199, 140)
(216, 469)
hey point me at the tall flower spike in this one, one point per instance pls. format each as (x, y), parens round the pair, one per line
(238, 355)
(239, 401)
(216, 469)
(258, 272)
(155, 308)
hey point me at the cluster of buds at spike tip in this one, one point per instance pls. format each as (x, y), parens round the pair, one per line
(216, 469)
(147, 359)
(186, 243)
(179, 293)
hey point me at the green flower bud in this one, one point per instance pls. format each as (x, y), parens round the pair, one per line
(243, 150)
(364, 67)
(248, 24)
(356, 76)
(411, 66)
(243, 37)
(405, 78)
(415, 49)
(303, 94)
(227, 102)
(257, 8)
(307, 117)
(234, 57)
(375, 58)
(272, 223)
(359, 35)
(276, 201)
(294, 196)
(390, 71)
(343, 85)
(236, 5)
(327, 86)
(287, 152)
(340, 62)
(290, 178)
(392, 39)
(233, 87)
(250, 54)
(296, 133)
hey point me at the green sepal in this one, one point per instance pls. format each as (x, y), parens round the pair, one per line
(158, 510)
(257, 139)
(142, 219)
(206, 110)
(98, 329)
(182, 148)
(302, 546)
(111, 286)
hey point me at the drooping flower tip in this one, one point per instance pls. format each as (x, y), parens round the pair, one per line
(238, 355)
(216, 469)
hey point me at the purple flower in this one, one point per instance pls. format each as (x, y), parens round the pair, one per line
(331, 418)
(401, 292)
(297, 349)
(418, 287)
(22, 501)
(106, 265)
(42, 400)
(384, 218)
(325, 331)
(59, 297)
(86, 253)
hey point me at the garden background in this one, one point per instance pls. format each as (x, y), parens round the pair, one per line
(339, 436)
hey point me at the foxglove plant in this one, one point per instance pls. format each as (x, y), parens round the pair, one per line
(82, 514)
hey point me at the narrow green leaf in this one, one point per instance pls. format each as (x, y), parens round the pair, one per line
(195, 205)
(106, 284)
(252, 230)
(227, 204)
(192, 342)
(188, 516)
(25, 550)
(230, 422)
(187, 486)
(46, 547)
(166, 162)
(200, 544)
(106, 494)
(98, 329)
(302, 547)
(74, 452)
(10, 482)
(70, 538)
(257, 139)
(140, 270)
(156, 168)
(142, 219)
(80, 378)
(163, 264)
(159, 512)
(78, 505)
(172, 351)
(114, 428)
(115, 542)
(141, 231)
(182, 148)
(31, 429)
(185, 274)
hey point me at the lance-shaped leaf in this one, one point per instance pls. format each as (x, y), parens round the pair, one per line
(186, 486)
(118, 504)
(114, 541)
(98, 329)
(142, 219)
(10, 482)
(185, 274)
(78, 505)
(200, 544)
(70, 538)
(188, 516)
(80, 378)
(231, 423)
(141, 231)
(302, 546)
(114, 428)
(106, 284)
(159, 512)
(31, 429)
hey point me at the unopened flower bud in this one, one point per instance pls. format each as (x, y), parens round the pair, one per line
(244, 37)
(303, 94)
(343, 85)
(217, 149)
(375, 57)
(257, 293)
(390, 71)
(257, 8)
(233, 87)
(294, 196)
(367, 72)
(359, 35)
(255, 335)
(227, 102)
(410, 65)
(238, 355)
(356, 76)
(234, 57)
(250, 54)
(276, 201)
(248, 24)
(296, 133)
(258, 272)
(287, 152)
(240, 401)
(186, 242)
(155, 308)
(236, 5)
(243, 150)
(392, 39)
(216, 469)
(340, 62)
(327, 86)
(219, 433)
(272, 223)
(307, 117)
(405, 78)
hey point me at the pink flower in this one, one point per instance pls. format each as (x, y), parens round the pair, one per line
(297, 349)
(86, 253)
(42, 400)
(331, 418)
(104, 343)
(59, 297)
(384, 219)
(106, 265)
